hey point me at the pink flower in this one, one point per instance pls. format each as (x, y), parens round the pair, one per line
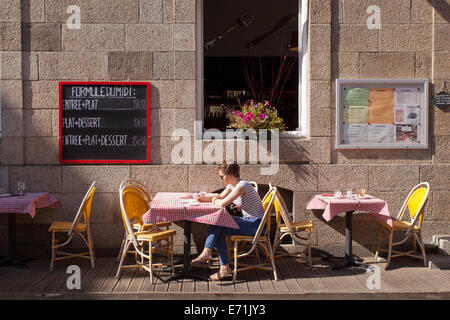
(245, 120)
(266, 103)
(262, 116)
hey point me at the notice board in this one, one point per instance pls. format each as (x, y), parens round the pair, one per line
(381, 114)
(104, 122)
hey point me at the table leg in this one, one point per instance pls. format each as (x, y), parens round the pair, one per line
(186, 273)
(11, 258)
(349, 260)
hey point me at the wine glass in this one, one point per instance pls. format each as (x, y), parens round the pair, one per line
(20, 188)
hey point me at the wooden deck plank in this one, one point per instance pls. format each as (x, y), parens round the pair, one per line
(318, 284)
(241, 284)
(124, 281)
(9, 276)
(397, 281)
(25, 278)
(445, 273)
(295, 278)
(294, 267)
(330, 281)
(136, 282)
(265, 279)
(435, 279)
(346, 278)
(188, 285)
(48, 278)
(284, 273)
(214, 286)
(200, 285)
(108, 270)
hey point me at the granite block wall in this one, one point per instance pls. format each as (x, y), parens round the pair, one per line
(155, 41)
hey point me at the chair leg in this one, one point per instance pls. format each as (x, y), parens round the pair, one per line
(235, 251)
(309, 251)
(171, 254)
(91, 248)
(422, 248)
(124, 254)
(121, 247)
(391, 237)
(53, 251)
(272, 260)
(377, 253)
(150, 260)
(276, 242)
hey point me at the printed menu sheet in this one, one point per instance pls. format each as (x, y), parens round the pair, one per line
(355, 133)
(356, 97)
(356, 114)
(381, 133)
(381, 105)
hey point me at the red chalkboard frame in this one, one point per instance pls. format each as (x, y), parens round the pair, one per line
(105, 161)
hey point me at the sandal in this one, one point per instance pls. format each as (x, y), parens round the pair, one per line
(201, 262)
(216, 276)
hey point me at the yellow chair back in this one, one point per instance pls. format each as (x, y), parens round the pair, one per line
(88, 205)
(266, 202)
(415, 203)
(135, 204)
(85, 208)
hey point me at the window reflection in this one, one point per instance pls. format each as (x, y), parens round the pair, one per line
(249, 53)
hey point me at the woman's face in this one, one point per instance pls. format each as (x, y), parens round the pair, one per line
(225, 178)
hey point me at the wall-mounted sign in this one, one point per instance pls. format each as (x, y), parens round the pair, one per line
(104, 122)
(381, 114)
(442, 100)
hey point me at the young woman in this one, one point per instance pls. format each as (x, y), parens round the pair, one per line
(241, 193)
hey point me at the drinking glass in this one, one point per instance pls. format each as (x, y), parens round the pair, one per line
(20, 187)
(338, 194)
(361, 192)
(349, 194)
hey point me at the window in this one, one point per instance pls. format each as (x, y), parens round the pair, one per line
(248, 50)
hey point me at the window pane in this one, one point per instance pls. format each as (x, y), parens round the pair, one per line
(247, 56)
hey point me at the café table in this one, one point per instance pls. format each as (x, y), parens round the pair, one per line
(174, 206)
(333, 206)
(26, 204)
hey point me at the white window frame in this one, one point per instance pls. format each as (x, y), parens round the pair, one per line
(303, 55)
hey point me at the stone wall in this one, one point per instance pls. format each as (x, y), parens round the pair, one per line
(155, 41)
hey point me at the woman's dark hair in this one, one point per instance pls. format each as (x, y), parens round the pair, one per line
(230, 169)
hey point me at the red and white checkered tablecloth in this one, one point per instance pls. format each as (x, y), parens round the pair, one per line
(332, 206)
(169, 207)
(28, 203)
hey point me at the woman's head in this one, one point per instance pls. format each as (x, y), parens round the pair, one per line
(227, 171)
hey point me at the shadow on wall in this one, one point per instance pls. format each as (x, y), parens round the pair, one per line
(442, 8)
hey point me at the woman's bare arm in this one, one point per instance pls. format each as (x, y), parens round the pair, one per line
(209, 198)
(239, 191)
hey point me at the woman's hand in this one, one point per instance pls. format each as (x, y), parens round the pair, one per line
(217, 202)
(203, 198)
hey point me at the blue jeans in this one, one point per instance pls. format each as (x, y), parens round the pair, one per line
(216, 235)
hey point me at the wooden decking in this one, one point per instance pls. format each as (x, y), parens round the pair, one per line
(407, 279)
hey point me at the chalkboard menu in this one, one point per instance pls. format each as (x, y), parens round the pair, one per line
(104, 122)
(381, 114)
